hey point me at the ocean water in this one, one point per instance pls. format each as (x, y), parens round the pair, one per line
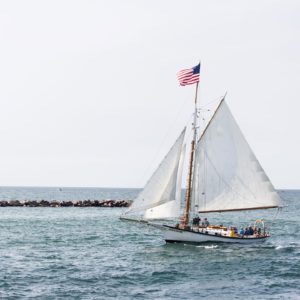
(88, 253)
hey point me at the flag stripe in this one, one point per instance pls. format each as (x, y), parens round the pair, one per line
(189, 76)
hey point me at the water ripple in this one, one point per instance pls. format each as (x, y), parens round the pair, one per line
(72, 253)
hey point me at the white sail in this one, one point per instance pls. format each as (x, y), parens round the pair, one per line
(169, 209)
(227, 175)
(166, 210)
(160, 197)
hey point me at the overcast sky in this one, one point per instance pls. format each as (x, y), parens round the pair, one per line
(89, 95)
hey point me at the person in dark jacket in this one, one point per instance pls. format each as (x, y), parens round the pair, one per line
(251, 231)
(196, 221)
(246, 231)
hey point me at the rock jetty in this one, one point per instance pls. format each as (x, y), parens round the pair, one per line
(75, 203)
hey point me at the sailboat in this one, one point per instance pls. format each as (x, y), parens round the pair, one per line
(224, 175)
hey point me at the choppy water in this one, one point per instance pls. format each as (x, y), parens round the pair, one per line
(88, 253)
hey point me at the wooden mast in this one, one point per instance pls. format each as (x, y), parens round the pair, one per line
(186, 214)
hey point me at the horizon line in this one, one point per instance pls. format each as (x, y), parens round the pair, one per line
(104, 187)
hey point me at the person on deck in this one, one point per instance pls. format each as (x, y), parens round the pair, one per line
(242, 231)
(246, 231)
(251, 231)
(205, 223)
(196, 221)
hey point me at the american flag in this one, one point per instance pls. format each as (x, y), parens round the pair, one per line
(189, 76)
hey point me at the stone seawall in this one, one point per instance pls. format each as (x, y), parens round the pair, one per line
(74, 203)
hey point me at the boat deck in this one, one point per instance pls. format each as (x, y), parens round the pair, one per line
(221, 231)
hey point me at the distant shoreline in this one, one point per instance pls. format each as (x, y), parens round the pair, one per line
(74, 203)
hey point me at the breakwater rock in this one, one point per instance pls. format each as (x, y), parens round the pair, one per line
(75, 203)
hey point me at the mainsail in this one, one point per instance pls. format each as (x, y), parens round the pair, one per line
(160, 197)
(227, 176)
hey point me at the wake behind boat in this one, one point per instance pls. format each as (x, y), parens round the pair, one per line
(223, 176)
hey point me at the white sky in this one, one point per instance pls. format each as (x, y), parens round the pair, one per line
(89, 95)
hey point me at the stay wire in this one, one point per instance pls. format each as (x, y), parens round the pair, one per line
(171, 126)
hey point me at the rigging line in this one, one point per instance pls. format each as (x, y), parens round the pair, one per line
(171, 126)
(276, 214)
(211, 102)
(190, 131)
(205, 179)
(157, 168)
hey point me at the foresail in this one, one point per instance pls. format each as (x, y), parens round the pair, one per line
(160, 197)
(166, 210)
(227, 175)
